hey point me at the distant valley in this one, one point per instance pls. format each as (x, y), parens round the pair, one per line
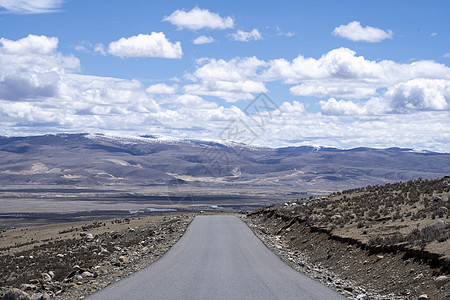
(73, 172)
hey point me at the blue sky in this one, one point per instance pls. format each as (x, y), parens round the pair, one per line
(338, 73)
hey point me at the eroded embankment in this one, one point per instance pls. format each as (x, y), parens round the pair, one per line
(350, 265)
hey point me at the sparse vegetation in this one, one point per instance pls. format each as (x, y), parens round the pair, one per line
(24, 264)
(370, 233)
(396, 213)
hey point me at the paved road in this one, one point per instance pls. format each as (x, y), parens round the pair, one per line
(219, 257)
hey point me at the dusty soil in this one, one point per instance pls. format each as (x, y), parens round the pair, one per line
(69, 261)
(388, 242)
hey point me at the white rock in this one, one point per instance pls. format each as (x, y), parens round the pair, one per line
(46, 277)
(87, 274)
(336, 217)
(441, 281)
(28, 287)
(418, 277)
(103, 251)
(77, 277)
(89, 237)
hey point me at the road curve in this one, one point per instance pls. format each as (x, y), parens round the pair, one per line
(218, 257)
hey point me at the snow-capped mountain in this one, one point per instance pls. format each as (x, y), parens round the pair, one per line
(97, 159)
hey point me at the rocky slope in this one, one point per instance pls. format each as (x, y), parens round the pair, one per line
(388, 242)
(70, 261)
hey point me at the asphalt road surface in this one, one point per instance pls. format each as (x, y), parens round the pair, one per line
(218, 257)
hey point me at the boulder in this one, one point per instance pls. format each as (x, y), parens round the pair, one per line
(89, 237)
(40, 296)
(103, 251)
(437, 199)
(123, 259)
(28, 287)
(335, 217)
(418, 277)
(443, 209)
(16, 294)
(439, 224)
(46, 277)
(441, 281)
(77, 277)
(87, 274)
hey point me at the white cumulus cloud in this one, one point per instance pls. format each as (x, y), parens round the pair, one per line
(231, 80)
(198, 18)
(30, 68)
(233, 70)
(144, 45)
(295, 109)
(30, 44)
(407, 97)
(193, 101)
(41, 91)
(341, 73)
(31, 6)
(320, 89)
(203, 39)
(373, 106)
(243, 36)
(230, 91)
(420, 94)
(162, 88)
(355, 32)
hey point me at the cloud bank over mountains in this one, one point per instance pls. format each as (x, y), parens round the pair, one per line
(357, 101)
(42, 89)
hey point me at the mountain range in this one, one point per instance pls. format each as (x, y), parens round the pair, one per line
(106, 160)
